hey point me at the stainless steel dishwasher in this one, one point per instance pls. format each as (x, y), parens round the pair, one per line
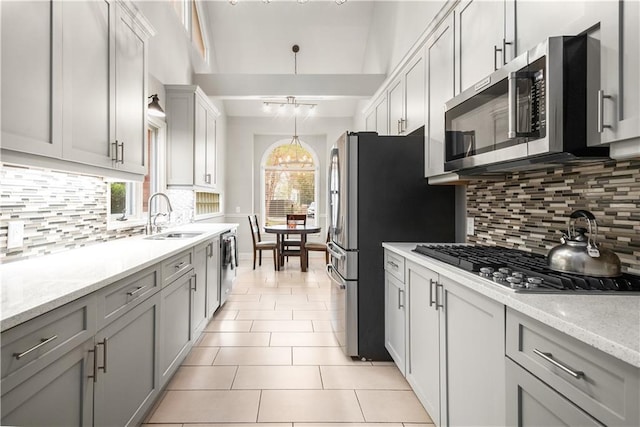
(228, 263)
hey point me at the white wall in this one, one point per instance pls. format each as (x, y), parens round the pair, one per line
(247, 140)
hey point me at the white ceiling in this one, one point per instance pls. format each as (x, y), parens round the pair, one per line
(255, 38)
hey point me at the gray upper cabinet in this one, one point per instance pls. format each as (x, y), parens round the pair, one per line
(191, 123)
(406, 97)
(485, 39)
(31, 68)
(440, 88)
(74, 82)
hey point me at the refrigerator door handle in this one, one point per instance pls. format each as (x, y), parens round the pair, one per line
(336, 277)
(335, 251)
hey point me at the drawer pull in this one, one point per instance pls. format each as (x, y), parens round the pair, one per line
(104, 355)
(549, 358)
(43, 341)
(393, 264)
(138, 289)
(95, 364)
(179, 266)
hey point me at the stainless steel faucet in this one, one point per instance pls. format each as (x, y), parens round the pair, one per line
(151, 224)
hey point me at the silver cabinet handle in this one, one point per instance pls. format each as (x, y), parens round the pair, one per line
(393, 264)
(114, 151)
(438, 305)
(549, 358)
(496, 49)
(95, 364)
(505, 43)
(179, 266)
(601, 98)
(43, 341)
(400, 298)
(195, 283)
(207, 178)
(210, 250)
(431, 282)
(138, 289)
(403, 125)
(122, 152)
(104, 355)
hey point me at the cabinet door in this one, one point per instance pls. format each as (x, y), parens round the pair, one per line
(88, 92)
(382, 117)
(473, 348)
(439, 53)
(531, 403)
(175, 325)
(396, 110)
(414, 94)
(127, 379)
(481, 27)
(423, 335)
(200, 143)
(131, 96)
(59, 395)
(31, 96)
(199, 289)
(370, 121)
(213, 277)
(211, 155)
(180, 156)
(394, 320)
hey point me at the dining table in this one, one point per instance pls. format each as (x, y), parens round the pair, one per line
(281, 230)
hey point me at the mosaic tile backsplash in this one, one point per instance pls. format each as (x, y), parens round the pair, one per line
(60, 211)
(530, 210)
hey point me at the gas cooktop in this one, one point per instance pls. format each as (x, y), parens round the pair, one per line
(524, 271)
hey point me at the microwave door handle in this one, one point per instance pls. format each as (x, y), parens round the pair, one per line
(512, 81)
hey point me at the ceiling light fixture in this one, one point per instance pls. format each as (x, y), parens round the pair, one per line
(339, 2)
(154, 109)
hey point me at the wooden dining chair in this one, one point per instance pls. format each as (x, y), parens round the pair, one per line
(291, 242)
(260, 245)
(319, 247)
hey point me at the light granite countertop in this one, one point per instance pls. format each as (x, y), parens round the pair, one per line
(610, 323)
(35, 286)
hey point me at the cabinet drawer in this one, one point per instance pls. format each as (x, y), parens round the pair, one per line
(176, 266)
(33, 345)
(605, 387)
(118, 298)
(394, 265)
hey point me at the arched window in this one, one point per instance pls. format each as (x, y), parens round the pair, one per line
(289, 182)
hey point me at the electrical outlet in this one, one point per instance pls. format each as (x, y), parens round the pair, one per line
(15, 234)
(471, 226)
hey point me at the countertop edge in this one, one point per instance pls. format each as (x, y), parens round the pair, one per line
(83, 291)
(519, 303)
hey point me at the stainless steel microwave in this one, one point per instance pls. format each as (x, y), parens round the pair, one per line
(531, 111)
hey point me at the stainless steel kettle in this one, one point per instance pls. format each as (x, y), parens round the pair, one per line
(579, 254)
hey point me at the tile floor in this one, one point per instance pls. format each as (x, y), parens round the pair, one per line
(268, 356)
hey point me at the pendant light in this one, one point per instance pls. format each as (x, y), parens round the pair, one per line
(154, 108)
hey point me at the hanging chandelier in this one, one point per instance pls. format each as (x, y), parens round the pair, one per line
(298, 157)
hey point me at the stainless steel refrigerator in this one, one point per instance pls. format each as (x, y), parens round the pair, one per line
(377, 193)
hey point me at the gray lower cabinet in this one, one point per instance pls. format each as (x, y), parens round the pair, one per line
(199, 290)
(530, 402)
(127, 380)
(61, 394)
(213, 277)
(175, 324)
(455, 341)
(395, 320)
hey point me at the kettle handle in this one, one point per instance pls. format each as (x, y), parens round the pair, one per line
(592, 245)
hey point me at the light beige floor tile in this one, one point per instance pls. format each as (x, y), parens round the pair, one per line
(298, 284)
(306, 306)
(207, 406)
(201, 356)
(265, 315)
(285, 298)
(253, 356)
(303, 339)
(203, 378)
(309, 406)
(391, 406)
(243, 297)
(414, 425)
(256, 305)
(229, 326)
(236, 290)
(240, 425)
(311, 315)
(277, 378)
(321, 326)
(269, 291)
(323, 356)
(234, 339)
(225, 314)
(282, 326)
(382, 363)
(363, 377)
(161, 425)
(347, 425)
(311, 291)
(320, 297)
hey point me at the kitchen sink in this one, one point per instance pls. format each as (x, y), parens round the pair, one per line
(174, 235)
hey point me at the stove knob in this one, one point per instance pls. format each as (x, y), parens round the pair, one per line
(518, 274)
(505, 270)
(515, 282)
(534, 282)
(498, 276)
(486, 271)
